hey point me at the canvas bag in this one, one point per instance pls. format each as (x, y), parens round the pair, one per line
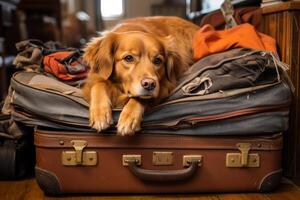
(258, 102)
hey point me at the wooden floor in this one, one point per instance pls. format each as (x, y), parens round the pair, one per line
(29, 190)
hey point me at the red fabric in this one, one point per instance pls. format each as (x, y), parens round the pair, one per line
(208, 41)
(67, 71)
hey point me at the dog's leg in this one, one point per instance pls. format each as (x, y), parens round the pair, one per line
(130, 117)
(100, 107)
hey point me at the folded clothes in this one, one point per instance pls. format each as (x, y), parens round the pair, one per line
(66, 65)
(208, 40)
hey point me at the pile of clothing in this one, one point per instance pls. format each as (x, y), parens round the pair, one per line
(53, 59)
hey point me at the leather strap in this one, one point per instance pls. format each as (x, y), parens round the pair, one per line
(7, 160)
(162, 176)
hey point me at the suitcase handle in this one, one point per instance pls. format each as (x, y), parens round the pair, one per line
(162, 176)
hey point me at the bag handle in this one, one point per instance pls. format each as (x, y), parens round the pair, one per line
(163, 176)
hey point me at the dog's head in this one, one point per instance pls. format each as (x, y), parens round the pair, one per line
(139, 61)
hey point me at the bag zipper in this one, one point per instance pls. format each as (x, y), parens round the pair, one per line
(196, 121)
(233, 114)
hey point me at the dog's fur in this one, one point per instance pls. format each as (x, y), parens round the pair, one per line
(136, 53)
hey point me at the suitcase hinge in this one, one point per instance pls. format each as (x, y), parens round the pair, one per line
(243, 159)
(79, 157)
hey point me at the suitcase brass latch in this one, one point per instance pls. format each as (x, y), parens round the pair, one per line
(79, 157)
(188, 159)
(243, 159)
(132, 158)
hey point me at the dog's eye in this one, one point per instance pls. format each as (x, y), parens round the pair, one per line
(157, 61)
(129, 58)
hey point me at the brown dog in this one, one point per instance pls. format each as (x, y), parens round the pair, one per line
(138, 61)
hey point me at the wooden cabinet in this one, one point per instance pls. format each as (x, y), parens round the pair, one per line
(42, 19)
(282, 22)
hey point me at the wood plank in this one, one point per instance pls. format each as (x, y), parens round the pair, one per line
(286, 192)
(29, 189)
(291, 5)
(246, 196)
(13, 189)
(33, 191)
(198, 197)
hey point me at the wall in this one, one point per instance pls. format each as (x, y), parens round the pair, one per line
(134, 8)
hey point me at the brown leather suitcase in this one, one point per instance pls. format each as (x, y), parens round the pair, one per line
(70, 162)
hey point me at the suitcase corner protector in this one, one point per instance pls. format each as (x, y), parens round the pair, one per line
(270, 181)
(47, 181)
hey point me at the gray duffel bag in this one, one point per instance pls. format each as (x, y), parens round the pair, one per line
(236, 92)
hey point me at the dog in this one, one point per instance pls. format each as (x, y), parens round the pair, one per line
(133, 66)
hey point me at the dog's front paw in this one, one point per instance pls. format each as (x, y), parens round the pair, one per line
(129, 122)
(101, 117)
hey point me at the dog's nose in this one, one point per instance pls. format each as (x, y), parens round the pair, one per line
(148, 84)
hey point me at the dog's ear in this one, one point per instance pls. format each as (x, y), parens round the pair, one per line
(175, 58)
(99, 55)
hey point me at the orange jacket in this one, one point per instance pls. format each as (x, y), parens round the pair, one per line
(208, 41)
